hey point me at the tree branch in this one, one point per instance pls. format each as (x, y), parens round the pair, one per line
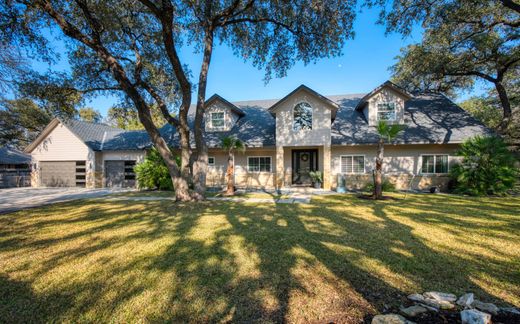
(511, 5)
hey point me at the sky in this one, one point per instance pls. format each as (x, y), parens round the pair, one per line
(363, 66)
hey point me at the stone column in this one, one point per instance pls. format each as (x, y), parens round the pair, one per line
(279, 168)
(326, 167)
(35, 174)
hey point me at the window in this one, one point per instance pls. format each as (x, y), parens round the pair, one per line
(259, 164)
(217, 119)
(211, 161)
(352, 164)
(386, 111)
(434, 164)
(129, 170)
(302, 116)
(81, 167)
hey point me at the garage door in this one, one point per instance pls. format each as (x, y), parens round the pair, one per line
(58, 173)
(119, 174)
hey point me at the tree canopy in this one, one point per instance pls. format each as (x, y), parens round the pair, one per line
(90, 114)
(130, 48)
(464, 41)
(21, 121)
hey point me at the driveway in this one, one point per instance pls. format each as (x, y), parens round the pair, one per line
(14, 199)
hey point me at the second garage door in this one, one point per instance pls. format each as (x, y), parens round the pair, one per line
(119, 174)
(58, 173)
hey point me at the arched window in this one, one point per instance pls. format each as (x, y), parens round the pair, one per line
(302, 116)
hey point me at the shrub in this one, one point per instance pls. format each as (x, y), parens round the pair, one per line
(152, 173)
(387, 186)
(316, 176)
(487, 167)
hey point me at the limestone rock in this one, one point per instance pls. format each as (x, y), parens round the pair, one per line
(473, 316)
(485, 307)
(511, 310)
(413, 311)
(440, 304)
(416, 297)
(390, 319)
(440, 296)
(466, 300)
(433, 309)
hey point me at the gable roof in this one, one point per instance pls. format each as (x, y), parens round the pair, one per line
(9, 155)
(386, 84)
(94, 135)
(233, 108)
(429, 118)
(314, 93)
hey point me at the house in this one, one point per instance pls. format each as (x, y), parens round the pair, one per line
(285, 140)
(14, 168)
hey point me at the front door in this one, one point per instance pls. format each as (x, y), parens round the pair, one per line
(303, 162)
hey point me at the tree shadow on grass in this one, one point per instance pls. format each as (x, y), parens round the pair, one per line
(338, 259)
(20, 304)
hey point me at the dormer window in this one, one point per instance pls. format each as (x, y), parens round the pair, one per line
(302, 116)
(217, 120)
(386, 111)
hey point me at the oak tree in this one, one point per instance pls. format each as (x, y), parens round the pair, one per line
(131, 48)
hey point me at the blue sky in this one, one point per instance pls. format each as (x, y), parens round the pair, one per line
(363, 66)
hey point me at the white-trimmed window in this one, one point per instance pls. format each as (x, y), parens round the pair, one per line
(432, 164)
(352, 164)
(211, 161)
(259, 163)
(386, 111)
(302, 116)
(217, 119)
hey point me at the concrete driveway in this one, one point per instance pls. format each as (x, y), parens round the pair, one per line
(14, 199)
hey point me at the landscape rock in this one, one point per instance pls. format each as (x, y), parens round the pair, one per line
(473, 316)
(440, 296)
(413, 311)
(441, 304)
(510, 310)
(466, 300)
(390, 319)
(433, 309)
(485, 307)
(416, 297)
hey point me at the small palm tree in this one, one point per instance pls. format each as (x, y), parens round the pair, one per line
(389, 133)
(231, 145)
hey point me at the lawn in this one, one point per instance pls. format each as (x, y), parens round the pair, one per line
(337, 259)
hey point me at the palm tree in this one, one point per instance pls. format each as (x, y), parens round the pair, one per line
(231, 145)
(389, 133)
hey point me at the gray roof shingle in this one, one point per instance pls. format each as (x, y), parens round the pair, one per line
(429, 118)
(9, 155)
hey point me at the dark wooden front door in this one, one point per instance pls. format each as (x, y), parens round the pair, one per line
(303, 162)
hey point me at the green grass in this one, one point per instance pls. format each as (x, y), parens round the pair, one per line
(337, 259)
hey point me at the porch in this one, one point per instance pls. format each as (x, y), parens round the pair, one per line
(294, 164)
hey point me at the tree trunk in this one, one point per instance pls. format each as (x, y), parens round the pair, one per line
(378, 176)
(119, 74)
(200, 167)
(230, 175)
(506, 107)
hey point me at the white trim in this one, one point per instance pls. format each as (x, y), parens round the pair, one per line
(386, 103)
(312, 117)
(260, 156)
(353, 155)
(223, 119)
(434, 163)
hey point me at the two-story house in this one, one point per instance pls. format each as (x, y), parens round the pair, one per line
(285, 140)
